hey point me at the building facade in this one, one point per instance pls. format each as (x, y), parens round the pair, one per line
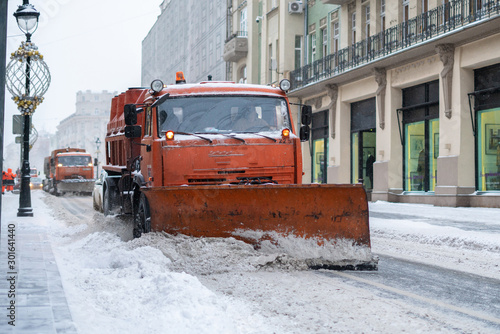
(407, 100)
(87, 124)
(188, 36)
(264, 40)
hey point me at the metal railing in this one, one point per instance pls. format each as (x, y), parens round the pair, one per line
(237, 34)
(435, 22)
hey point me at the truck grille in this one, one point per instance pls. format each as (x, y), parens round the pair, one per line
(231, 172)
(206, 181)
(74, 176)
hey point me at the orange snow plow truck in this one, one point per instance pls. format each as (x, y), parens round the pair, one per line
(219, 159)
(68, 170)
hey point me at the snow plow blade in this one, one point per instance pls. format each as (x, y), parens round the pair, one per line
(324, 225)
(76, 185)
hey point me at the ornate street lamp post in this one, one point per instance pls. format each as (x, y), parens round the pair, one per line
(27, 79)
(97, 144)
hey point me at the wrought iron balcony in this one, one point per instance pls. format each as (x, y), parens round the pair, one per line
(236, 46)
(335, 2)
(438, 21)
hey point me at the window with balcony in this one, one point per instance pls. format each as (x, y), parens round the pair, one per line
(425, 6)
(367, 21)
(243, 22)
(313, 47)
(324, 42)
(353, 28)
(382, 15)
(298, 51)
(336, 41)
(445, 16)
(405, 17)
(405, 10)
(336, 37)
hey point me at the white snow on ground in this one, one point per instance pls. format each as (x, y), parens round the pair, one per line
(176, 284)
(445, 246)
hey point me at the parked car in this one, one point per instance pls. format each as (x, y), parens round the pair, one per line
(36, 183)
(97, 192)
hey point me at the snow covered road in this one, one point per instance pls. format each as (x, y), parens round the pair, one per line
(176, 284)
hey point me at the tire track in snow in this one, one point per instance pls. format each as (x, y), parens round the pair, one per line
(467, 294)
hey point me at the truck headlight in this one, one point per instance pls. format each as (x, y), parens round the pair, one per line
(157, 85)
(285, 85)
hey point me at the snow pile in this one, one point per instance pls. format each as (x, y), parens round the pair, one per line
(119, 287)
(300, 253)
(196, 255)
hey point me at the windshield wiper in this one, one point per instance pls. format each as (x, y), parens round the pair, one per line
(194, 134)
(259, 134)
(234, 137)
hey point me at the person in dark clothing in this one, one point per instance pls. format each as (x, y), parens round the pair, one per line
(369, 168)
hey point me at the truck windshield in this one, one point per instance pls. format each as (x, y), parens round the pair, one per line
(73, 160)
(223, 114)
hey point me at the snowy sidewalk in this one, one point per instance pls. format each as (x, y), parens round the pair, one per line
(31, 293)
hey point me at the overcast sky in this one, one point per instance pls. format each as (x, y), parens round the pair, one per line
(88, 45)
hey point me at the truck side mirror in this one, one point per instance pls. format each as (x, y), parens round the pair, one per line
(133, 131)
(306, 115)
(305, 133)
(130, 114)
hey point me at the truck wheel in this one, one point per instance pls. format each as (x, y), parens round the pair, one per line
(142, 217)
(94, 203)
(106, 203)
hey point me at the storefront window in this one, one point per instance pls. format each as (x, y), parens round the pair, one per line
(363, 157)
(421, 134)
(488, 148)
(319, 163)
(320, 146)
(363, 139)
(433, 152)
(415, 153)
(355, 157)
(487, 107)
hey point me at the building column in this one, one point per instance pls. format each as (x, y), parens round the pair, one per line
(387, 169)
(339, 167)
(455, 164)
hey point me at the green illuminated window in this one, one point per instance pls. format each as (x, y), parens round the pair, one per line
(488, 148)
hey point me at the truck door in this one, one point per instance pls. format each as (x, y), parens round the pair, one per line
(146, 148)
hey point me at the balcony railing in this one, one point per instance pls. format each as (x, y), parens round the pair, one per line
(435, 22)
(237, 34)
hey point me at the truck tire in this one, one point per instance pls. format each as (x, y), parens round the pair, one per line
(107, 206)
(142, 217)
